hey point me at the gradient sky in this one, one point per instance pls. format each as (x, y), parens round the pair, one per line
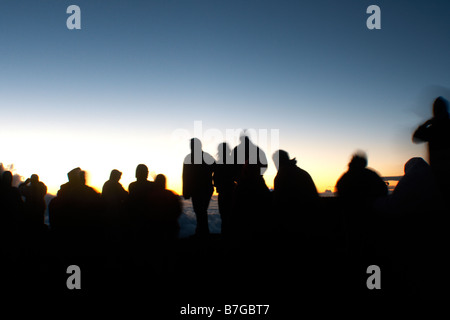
(112, 94)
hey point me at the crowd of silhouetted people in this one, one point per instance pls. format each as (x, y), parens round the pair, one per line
(270, 236)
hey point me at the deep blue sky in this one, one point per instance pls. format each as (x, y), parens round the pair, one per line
(111, 94)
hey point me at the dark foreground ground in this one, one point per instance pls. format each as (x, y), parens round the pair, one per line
(326, 262)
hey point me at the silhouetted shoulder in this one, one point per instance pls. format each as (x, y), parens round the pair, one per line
(208, 159)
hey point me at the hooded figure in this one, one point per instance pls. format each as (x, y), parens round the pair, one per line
(113, 191)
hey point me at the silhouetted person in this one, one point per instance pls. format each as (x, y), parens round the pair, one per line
(248, 153)
(295, 194)
(74, 177)
(166, 210)
(416, 192)
(138, 205)
(11, 203)
(34, 192)
(436, 132)
(358, 188)
(224, 183)
(250, 227)
(142, 186)
(415, 231)
(77, 215)
(198, 168)
(59, 204)
(113, 192)
(251, 204)
(114, 197)
(359, 182)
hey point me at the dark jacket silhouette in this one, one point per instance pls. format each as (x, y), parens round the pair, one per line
(138, 202)
(76, 204)
(224, 183)
(140, 188)
(11, 204)
(77, 217)
(198, 168)
(295, 194)
(416, 192)
(359, 182)
(250, 154)
(34, 192)
(114, 196)
(113, 191)
(357, 191)
(293, 181)
(73, 183)
(251, 205)
(166, 209)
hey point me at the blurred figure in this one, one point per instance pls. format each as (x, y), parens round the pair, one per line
(224, 183)
(247, 153)
(436, 132)
(198, 168)
(357, 190)
(415, 232)
(2, 169)
(295, 194)
(416, 192)
(359, 182)
(34, 192)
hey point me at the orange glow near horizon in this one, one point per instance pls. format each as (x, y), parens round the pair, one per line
(51, 154)
(55, 174)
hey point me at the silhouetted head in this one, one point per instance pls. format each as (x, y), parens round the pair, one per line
(7, 178)
(440, 108)
(160, 181)
(115, 175)
(244, 138)
(34, 178)
(74, 175)
(141, 172)
(196, 144)
(359, 161)
(415, 162)
(224, 152)
(281, 158)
